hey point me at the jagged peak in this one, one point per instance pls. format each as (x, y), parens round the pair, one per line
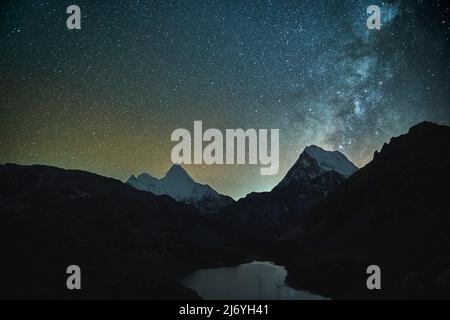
(331, 160)
(424, 125)
(177, 171)
(145, 175)
(314, 161)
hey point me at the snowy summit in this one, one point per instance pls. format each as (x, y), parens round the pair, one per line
(331, 160)
(178, 184)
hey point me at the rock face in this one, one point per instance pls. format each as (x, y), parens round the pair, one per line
(128, 243)
(315, 161)
(394, 213)
(268, 215)
(180, 186)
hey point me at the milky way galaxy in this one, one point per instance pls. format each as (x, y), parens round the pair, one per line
(107, 97)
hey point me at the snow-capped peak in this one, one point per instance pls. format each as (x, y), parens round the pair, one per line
(331, 160)
(315, 161)
(143, 182)
(178, 184)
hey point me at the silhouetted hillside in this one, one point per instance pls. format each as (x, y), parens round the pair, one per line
(267, 215)
(128, 243)
(394, 213)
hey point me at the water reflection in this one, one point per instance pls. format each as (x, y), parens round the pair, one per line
(250, 281)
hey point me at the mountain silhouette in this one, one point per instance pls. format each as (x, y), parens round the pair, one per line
(268, 215)
(128, 243)
(394, 213)
(326, 221)
(315, 161)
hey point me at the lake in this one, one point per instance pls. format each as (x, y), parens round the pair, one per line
(250, 281)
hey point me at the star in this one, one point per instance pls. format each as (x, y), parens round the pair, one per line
(107, 98)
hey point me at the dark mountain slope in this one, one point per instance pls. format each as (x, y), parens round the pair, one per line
(265, 216)
(128, 243)
(394, 212)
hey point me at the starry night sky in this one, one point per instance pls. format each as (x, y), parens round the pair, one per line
(106, 98)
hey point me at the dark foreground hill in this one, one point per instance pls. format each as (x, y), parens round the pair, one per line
(395, 213)
(128, 243)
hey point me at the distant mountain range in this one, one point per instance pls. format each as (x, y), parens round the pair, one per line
(180, 186)
(268, 215)
(326, 221)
